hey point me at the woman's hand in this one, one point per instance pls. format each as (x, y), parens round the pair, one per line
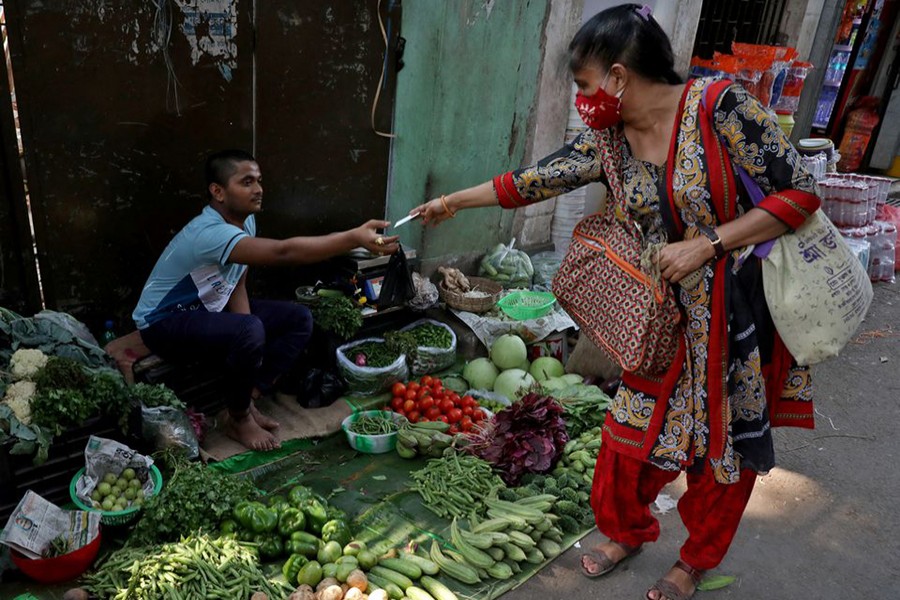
(678, 260)
(368, 237)
(432, 212)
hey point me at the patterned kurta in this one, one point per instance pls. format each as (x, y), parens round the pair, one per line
(732, 379)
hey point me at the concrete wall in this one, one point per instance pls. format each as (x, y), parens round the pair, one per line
(463, 114)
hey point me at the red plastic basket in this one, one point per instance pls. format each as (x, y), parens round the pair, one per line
(59, 568)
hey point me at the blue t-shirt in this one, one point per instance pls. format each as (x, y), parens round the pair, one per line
(193, 272)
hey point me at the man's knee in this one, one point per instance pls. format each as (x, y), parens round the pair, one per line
(301, 319)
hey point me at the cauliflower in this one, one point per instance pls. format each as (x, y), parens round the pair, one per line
(18, 397)
(26, 362)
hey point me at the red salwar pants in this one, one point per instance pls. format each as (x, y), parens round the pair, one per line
(624, 488)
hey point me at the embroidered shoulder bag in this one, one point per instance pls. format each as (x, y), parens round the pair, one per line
(628, 313)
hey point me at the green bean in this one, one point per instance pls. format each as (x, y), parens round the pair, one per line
(470, 479)
(373, 425)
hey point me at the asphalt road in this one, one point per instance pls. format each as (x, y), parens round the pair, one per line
(825, 523)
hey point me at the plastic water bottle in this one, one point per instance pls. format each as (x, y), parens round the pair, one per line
(108, 333)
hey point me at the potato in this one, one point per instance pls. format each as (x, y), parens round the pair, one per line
(353, 594)
(344, 588)
(327, 582)
(332, 592)
(357, 579)
(379, 595)
(259, 596)
(76, 594)
(304, 592)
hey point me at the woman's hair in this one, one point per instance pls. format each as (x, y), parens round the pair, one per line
(626, 34)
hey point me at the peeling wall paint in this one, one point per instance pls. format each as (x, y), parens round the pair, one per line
(210, 27)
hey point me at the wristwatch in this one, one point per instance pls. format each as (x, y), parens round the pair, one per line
(714, 239)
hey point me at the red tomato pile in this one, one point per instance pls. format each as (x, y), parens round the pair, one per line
(428, 400)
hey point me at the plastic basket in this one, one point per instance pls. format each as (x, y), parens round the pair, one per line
(522, 306)
(59, 568)
(108, 517)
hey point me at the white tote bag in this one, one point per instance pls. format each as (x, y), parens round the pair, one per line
(817, 290)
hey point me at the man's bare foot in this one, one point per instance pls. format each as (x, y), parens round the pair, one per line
(246, 431)
(679, 583)
(261, 419)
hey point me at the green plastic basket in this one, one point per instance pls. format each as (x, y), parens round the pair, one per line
(108, 517)
(522, 306)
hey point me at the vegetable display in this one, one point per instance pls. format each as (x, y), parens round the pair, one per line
(527, 437)
(584, 406)
(374, 354)
(428, 400)
(374, 425)
(430, 335)
(338, 314)
(116, 493)
(195, 567)
(435, 347)
(455, 484)
(369, 366)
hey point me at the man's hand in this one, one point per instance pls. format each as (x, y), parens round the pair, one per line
(368, 237)
(679, 259)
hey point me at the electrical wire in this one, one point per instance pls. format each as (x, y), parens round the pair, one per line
(162, 30)
(381, 78)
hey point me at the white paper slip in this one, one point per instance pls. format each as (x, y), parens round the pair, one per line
(405, 220)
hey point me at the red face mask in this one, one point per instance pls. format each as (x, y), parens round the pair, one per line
(599, 111)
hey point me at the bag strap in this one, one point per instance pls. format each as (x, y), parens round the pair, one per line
(753, 190)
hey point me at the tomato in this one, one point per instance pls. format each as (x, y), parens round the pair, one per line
(454, 415)
(439, 389)
(478, 415)
(397, 402)
(424, 419)
(426, 380)
(410, 394)
(469, 401)
(443, 418)
(413, 416)
(426, 403)
(413, 385)
(436, 383)
(409, 405)
(465, 424)
(467, 411)
(423, 393)
(446, 405)
(453, 429)
(398, 389)
(433, 413)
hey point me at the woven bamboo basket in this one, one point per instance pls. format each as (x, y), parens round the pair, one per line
(475, 305)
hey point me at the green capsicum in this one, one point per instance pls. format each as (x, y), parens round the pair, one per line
(338, 531)
(316, 517)
(270, 546)
(255, 517)
(307, 549)
(291, 520)
(298, 494)
(228, 527)
(292, 566)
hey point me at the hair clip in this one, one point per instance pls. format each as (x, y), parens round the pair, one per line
(644, 12)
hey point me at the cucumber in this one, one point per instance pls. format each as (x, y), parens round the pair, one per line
(438, 590)
(404, 567)
(391, 588)
(414, 593)
(395, 577)
(428, 567)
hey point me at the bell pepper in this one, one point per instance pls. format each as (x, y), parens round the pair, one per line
(228, 527)
(307, 549)
(338, 531)
(270, 546)
(291, 520)
(310, 574)
(316, 517)
(292, 566)
(298, 494)
(255, 517)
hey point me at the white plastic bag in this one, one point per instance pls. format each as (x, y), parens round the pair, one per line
(369, 380)
(431, 359)
(816, 289)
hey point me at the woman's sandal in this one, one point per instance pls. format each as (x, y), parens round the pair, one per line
(672, 591)
(605, 564)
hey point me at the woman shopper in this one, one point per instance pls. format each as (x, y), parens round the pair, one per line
(671, 147)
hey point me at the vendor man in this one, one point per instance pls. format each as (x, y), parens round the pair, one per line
(195, 301)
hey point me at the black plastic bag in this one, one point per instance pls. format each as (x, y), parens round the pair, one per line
(320, 387)
(397, 286)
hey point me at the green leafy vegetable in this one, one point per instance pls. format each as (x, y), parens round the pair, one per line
(337, 314)
(152, 396)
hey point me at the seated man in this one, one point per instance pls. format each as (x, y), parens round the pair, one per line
(195, 301)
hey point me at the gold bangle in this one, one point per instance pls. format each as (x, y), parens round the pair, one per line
(447, 206)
